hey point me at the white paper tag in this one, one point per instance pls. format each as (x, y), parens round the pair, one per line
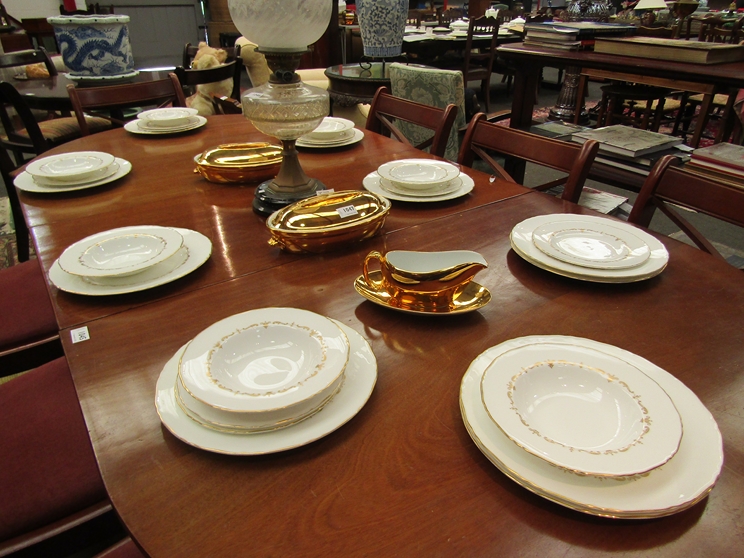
(324, 192)
(80, 334)
(347, 211)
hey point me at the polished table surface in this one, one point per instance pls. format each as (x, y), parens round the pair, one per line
(402, 477)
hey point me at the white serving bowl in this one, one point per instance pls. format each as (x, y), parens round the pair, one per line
(331, 128)
(171, 117)
(419, 174)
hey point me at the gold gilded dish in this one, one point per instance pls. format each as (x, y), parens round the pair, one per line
(472, 297)
(239, 162)
(328, 221)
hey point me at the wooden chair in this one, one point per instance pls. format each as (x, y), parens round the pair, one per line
(21, 230)
(40, 31)
(226, 105)
(189, 79)
(189, 51)
(452, 14)
(386, 110)
(667, 185)
(113, 98)
(50, 481)
(483, 138)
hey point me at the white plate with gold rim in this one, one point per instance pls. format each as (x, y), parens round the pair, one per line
(96, 176)
(359, 381)
(264, 359)
(69, 167)
(140, 127)
(195, 251)
(522, 243)
(26, 182)
(331, 128)
(356, 136)
(595, 243)
(418, 174)
(581, 409)
(168, 117)
(453, 185)
(675, 486)
(120, 252)
(372, 183)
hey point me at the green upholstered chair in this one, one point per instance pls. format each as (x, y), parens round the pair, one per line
(434, 87)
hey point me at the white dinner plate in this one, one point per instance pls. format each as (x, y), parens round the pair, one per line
(26, 182)
(136, 127)
(522, 243)
(329, 129)
(96, 176)
(356, 137)
(372, 183)
(418, 174)
(598, 245)
(361, 375)
(69, 167)
(195, 251)
(679, 484)
(581, 409)
(119, 252)
(264, 359)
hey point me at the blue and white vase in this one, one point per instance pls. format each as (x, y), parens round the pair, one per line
(94, 46)
(382, 24)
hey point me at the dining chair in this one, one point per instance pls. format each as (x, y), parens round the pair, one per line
(23, 247)
(114, 98)
(50, 480)
(668, 186)
(28, 335)
(451, 14)
(226, 105)
(190, 78)
(387, 111)
(434, 87)
(483, 138)
(189, 51)
(126, 548)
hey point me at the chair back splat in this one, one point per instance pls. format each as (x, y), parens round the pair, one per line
(190, 78)
(386, 111)
(114, 98)
(483, 138)
(669, 185)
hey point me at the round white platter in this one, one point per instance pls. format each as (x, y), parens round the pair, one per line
(196, 250)
(675, 486)
(26, 182)
(361, 375)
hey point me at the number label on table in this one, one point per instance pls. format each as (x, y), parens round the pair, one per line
(347, 211)
(80, 334)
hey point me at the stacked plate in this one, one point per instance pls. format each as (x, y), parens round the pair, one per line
(265, 380)
(129, 259)
(166, 121)
(332, 132)
(591, 427)
(71, 171)
(589, 248)
(418, 180)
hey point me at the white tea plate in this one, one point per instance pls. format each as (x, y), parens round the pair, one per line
(359, 381)
(340, 138)
(100, 174)
(168, 117)
(679, 484)
(69, 167)
(330, 128)
(441, 190)
(418, 173)
(357, 136)
(195, 251)
(581, 409)
(154, 126)
(121, 251)
(371, 182)
(522, 243)
(264, 359)
(600, 246)
(26, 182)
(135, 127)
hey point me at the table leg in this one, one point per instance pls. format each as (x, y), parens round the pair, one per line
(523, 104)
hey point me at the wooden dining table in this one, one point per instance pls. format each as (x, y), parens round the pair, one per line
(402, 477)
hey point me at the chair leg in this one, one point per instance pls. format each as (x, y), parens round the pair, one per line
(486, 92)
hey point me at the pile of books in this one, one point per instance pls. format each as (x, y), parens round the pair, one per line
(632, 149)
(671, 49)
(723, 162)
(573, 35)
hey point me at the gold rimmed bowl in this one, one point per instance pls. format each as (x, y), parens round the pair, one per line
(234, 163)
(328, 221)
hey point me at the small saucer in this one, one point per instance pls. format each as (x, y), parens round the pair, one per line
(472, 297)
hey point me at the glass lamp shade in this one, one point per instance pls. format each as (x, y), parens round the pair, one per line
(382, 24)
(281, 25)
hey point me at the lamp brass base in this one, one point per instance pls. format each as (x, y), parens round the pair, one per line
(267, 200)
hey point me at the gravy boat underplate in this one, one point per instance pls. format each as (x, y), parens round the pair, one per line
(428, 278)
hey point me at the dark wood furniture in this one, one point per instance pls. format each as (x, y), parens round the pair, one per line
(387, 110)
(477, 62)
(113, 98)
(190, 78)
(483, 138)
(350, 84)
(403, 476)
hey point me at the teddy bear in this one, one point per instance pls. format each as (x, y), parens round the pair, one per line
(208, 57)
